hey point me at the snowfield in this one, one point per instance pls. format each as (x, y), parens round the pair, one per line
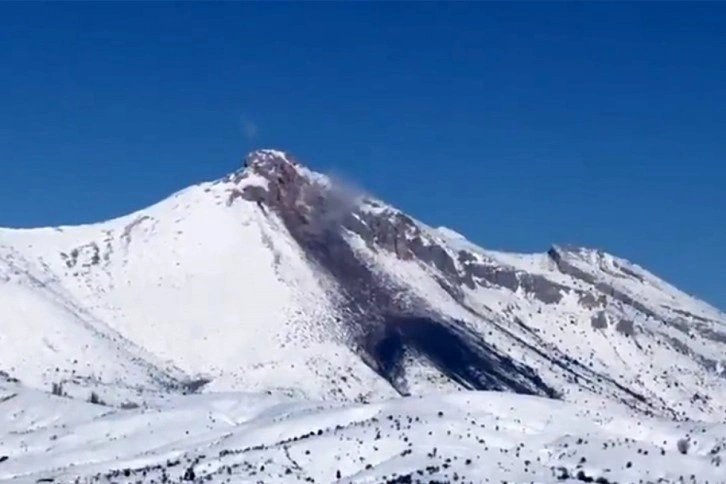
(276, 326)
(237, 437)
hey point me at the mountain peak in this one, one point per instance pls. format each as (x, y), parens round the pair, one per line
(277, 168)
(266, 158)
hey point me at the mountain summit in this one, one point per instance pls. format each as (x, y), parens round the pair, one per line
(280, 279)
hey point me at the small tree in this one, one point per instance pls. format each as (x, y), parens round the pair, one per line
(683, 446)
(95, 399)
(57, 389)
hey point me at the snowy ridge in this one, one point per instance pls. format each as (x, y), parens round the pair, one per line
(159, 272)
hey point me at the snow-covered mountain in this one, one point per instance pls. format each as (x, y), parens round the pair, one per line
(279, 279)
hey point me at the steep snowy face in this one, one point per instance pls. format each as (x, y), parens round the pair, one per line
(279, 278)
(200, 283)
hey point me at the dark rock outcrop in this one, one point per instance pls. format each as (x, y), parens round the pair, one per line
(387, 323)
(383, 320)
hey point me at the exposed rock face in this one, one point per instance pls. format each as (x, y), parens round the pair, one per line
(626, 327)
(599, 320)
(590, 301)
(311, 206)
(321, 216)
(318, 215)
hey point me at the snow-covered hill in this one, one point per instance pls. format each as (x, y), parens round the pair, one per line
(278, 279)
(472, 437)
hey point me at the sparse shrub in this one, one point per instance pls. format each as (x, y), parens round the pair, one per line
(7, 377)
(57, 389)
(683, 445)
(95, 399)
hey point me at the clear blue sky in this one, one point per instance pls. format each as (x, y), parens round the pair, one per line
(520, 125)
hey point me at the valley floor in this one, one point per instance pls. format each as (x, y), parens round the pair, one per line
(236, 437)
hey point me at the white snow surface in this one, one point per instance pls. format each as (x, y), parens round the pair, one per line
(239, 437)
(210, 288)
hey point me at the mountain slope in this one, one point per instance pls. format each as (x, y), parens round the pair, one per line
(276, 278)
(236, 437)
